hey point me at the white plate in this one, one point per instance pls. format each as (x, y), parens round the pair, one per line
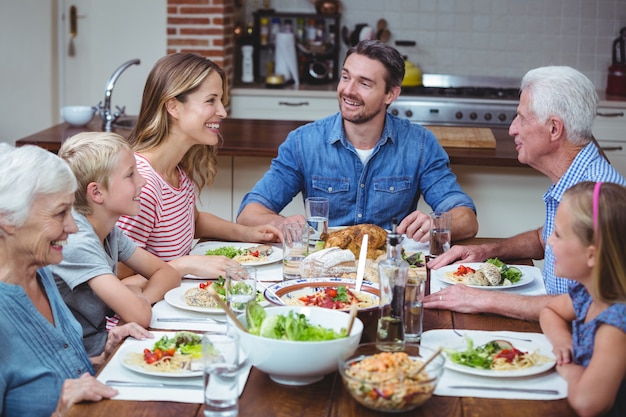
(176, 298)
(529, 274)
(523, 346)
(137, 346)
(275, 256)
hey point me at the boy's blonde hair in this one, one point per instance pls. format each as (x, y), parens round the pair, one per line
(92, 156)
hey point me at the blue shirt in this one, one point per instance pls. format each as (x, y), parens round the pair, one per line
(36, 356)
(588, 165)
(318, 160)
(584, 334)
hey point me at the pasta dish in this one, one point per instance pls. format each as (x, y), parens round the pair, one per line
(496, 355)
(389, 381)
(182, 352)
(335, 298)
(255, 254)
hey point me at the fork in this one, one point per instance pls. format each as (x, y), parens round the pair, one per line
(504, 337)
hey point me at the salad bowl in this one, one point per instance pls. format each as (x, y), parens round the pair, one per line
(299, 362)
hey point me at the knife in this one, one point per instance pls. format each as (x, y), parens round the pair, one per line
(112, 382)
(190, 319)
(508, 389)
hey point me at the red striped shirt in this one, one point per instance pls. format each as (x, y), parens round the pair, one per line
(165, 225)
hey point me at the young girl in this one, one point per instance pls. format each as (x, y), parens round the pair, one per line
(175, 141)
(587, 327)
(108, 186)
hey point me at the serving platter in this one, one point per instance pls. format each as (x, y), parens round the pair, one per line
(201, 248)
(529, 274)
(137, 346)
(289, 292)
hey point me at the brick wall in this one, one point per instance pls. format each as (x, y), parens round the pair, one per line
(205, 27)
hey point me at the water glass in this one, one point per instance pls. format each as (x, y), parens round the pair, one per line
(240, 287)
(316, 209)
(413, 309)
(440, 232)
(295, 248)
(222, 367)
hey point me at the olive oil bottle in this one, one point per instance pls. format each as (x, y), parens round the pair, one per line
(392, 273)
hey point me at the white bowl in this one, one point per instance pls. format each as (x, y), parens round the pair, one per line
(77, 115)
(300, 363)
(290, 291)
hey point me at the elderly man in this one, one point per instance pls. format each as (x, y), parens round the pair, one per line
(372, 166)
(552, 134)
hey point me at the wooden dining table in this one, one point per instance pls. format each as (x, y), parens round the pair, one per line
(263, 397)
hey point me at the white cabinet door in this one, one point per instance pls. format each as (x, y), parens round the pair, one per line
(109, 33)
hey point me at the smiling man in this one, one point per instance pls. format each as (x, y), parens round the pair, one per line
(371, 165)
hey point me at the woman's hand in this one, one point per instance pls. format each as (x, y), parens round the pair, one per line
(264, 233)
(85, 388)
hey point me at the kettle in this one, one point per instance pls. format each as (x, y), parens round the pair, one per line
(412, 74)
(616, 81)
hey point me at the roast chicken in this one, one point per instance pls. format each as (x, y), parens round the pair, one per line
(352, 236)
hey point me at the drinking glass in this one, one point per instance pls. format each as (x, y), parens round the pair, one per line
(316, 209)
(240, 286)
(440, 225)
(295, 248)
(222, 367)
(413, 309)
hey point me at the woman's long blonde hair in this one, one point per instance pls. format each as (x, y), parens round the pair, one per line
(176, 76)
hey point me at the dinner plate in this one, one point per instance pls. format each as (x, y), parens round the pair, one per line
(529, 274)
(275, 256)
(176, 298)
(523, 346)
(137, 346)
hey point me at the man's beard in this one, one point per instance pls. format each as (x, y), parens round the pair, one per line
(359, 118)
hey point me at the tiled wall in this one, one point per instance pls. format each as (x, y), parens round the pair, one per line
(492, 37)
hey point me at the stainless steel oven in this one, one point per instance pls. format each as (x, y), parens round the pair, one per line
(461, 101)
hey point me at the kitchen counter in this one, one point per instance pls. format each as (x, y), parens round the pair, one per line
(261, 138)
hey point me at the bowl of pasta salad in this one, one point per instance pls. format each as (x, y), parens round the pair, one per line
(386, 377)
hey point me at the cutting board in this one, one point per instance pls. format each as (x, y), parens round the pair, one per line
(463, 137)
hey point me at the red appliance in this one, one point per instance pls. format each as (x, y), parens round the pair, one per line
(616, 81)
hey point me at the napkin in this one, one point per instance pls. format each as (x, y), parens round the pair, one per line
(163, 309)
(114, 370)
(546, 380)
(286, 59)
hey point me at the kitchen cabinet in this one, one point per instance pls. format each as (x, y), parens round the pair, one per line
(283, 104)
(610, 131)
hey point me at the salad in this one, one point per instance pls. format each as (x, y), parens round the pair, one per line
(219, 288)
(292, 326)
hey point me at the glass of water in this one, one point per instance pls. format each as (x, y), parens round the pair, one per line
(316, 209)
(240, 287)
(223, 365)
(413, 309)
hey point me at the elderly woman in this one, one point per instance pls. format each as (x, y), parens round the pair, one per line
(44, 368)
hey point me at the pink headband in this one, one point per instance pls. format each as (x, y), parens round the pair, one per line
(596, 203)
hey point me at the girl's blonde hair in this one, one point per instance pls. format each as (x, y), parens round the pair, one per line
(92, 156)
(609, 236)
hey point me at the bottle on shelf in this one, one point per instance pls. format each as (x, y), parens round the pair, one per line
(393, 273)
(264, 31)
(247, 66)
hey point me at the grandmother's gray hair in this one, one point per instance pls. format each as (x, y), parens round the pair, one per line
(25, 173)
(565, 93)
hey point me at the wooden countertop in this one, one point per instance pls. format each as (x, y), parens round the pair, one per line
(243, 137)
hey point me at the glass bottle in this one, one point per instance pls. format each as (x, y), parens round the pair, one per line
(392, 273)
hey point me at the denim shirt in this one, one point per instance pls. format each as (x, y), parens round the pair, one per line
(318, 160)
(37, 356)
(588, 165)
